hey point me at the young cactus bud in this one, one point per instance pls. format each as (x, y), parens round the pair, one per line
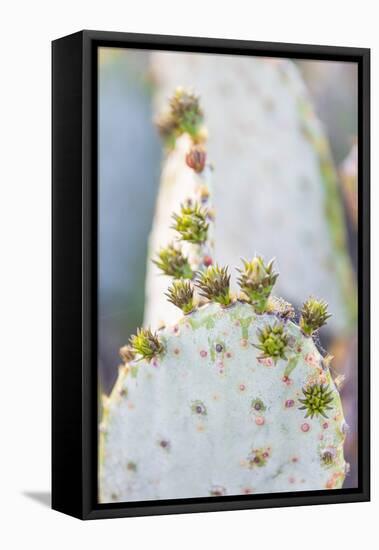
(273, 341)
(127, 354)
(146, 344)
(214, 285)
(196, 158)
(186, 111)
(191, 223)
(317, 400)
(256, 281)
(180, 294)
(172, 262)
(184, 116)
(314, 314)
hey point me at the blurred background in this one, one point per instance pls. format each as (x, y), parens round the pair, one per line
(283, 141)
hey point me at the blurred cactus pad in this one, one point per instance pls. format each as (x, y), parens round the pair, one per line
(234, 397)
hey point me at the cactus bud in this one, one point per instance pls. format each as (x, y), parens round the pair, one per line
(180, 294)
(172, 262)
(257, 281)
(317, 400)
(214, 285)
(146, 344)
(273, 341)
(196, 158)
(191, 223)
(314, 314)
(186, 111)
(184, 116)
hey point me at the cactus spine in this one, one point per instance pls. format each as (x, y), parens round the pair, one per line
(234, 398)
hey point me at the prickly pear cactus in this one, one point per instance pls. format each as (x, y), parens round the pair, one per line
(275, 186)
(234, 397)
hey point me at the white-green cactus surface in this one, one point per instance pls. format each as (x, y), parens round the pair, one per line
(212, 416)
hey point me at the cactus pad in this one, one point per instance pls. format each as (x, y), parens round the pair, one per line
(234, 398)
(209, 412)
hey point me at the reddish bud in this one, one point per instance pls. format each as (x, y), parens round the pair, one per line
(207, 261)
(196, 158)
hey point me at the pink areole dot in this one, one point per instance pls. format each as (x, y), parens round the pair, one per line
(325, 425)
(259, 421)
(290, 403)
(242, 387)
(207, 261)
(203, 353)
(305, 427)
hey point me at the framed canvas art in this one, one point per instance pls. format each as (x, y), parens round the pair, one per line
(210, 274)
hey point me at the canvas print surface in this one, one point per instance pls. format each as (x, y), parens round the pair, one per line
(227, 295)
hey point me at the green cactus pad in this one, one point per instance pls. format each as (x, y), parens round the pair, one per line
(211, 416)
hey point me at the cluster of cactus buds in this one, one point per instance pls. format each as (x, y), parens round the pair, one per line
(180, 293)
(204, 363)
(317, 399)
(146, 344)
(171, 261)
(273, 341)
(191, 223)
(184, 116)
(214, 284)
(314, 315)
(256, 282)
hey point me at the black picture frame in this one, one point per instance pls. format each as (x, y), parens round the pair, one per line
(74, 273)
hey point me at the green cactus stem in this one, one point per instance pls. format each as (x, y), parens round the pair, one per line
(256, 282)
(314, 315)
(214, 284)
(317, 400)
(146, 344)
(273, 341)
(180, 293)
(172, 262)
(191, 223)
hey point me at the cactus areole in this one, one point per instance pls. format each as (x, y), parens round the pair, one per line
(234, 398)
